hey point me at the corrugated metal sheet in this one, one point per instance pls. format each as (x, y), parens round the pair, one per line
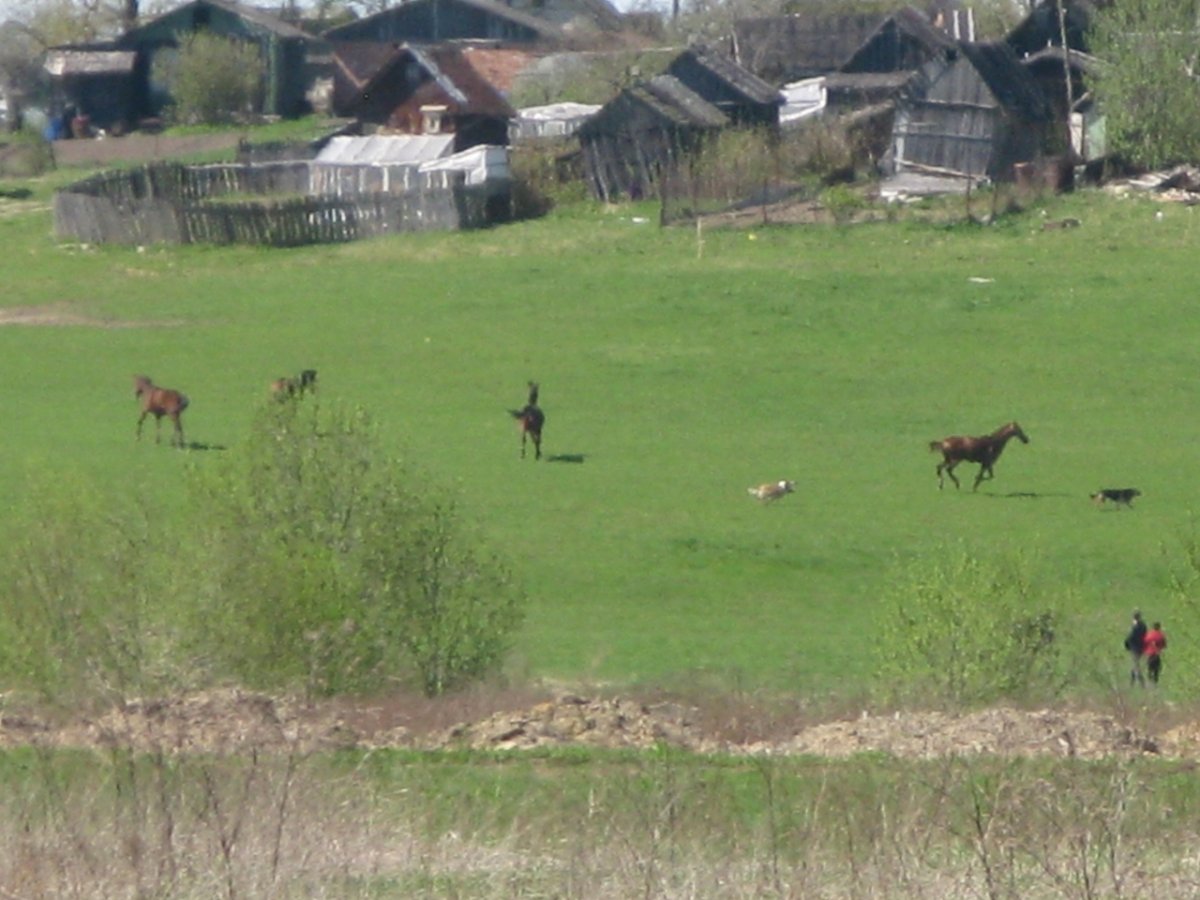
(386, 149)
(62, 63)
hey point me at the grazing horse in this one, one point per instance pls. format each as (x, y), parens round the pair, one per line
(530, 420)
(984, 450)
(283, 388)
(159, 402)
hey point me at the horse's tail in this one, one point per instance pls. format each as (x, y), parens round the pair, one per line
(183, 402)
(517, 413)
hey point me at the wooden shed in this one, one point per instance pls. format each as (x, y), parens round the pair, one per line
(745, 98)
(98, 84)
(974, 114)
(644, 130)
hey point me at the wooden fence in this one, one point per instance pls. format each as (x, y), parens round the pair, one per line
(172, 203)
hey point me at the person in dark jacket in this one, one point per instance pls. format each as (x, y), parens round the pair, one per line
(1135, 643)
(1154, 644)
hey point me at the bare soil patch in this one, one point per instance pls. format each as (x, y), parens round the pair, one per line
(235, 721)
(62, 314)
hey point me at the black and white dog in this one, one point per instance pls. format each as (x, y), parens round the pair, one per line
(1120, 496)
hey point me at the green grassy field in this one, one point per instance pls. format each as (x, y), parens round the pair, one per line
(828, 355)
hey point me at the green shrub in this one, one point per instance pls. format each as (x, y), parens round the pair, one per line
(82, 616)
(212, 79)
(325, 566)
(959, 629)
(304, 559)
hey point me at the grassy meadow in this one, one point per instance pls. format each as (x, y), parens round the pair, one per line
(674, 375)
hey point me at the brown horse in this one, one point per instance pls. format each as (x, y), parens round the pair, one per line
(159, 402)
(984, 450)
(306, 381)
(530, 420)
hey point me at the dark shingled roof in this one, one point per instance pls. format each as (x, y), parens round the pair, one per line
(784, 48)
(544, 28)
(739, 78)
(1007, 79)
(675, 101)
(253, 15)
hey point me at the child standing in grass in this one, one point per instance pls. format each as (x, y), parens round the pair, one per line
(1155, 643)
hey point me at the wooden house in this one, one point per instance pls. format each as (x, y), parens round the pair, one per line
(971, 115)
(284, 49)
(413, 89)
(115, 83)
(645, 129)
(448, 20)
(741, 95)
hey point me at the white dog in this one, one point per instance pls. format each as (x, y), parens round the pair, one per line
(772, 490)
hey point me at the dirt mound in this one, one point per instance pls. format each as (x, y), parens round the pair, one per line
(999, 732)
(616, 723)
(222, 721)
(235, 721)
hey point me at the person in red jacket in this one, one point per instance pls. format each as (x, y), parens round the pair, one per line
(1153, 645)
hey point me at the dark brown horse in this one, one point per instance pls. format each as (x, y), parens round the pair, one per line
(983, 450)
(530, 420)
(306, 381)
(159, 402)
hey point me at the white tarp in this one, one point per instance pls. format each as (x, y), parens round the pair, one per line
(485, 164)
(802, 99)
(554, 120)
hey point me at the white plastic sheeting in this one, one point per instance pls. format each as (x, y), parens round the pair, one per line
(387, 149)
(485, 164)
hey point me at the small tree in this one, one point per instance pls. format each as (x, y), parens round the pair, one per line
(1148, 87)
(212, 79)
(959, 629)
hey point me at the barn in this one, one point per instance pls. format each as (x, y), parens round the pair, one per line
(973, 114)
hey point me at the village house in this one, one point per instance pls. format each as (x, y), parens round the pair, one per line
(422, 89)
(118, 83)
